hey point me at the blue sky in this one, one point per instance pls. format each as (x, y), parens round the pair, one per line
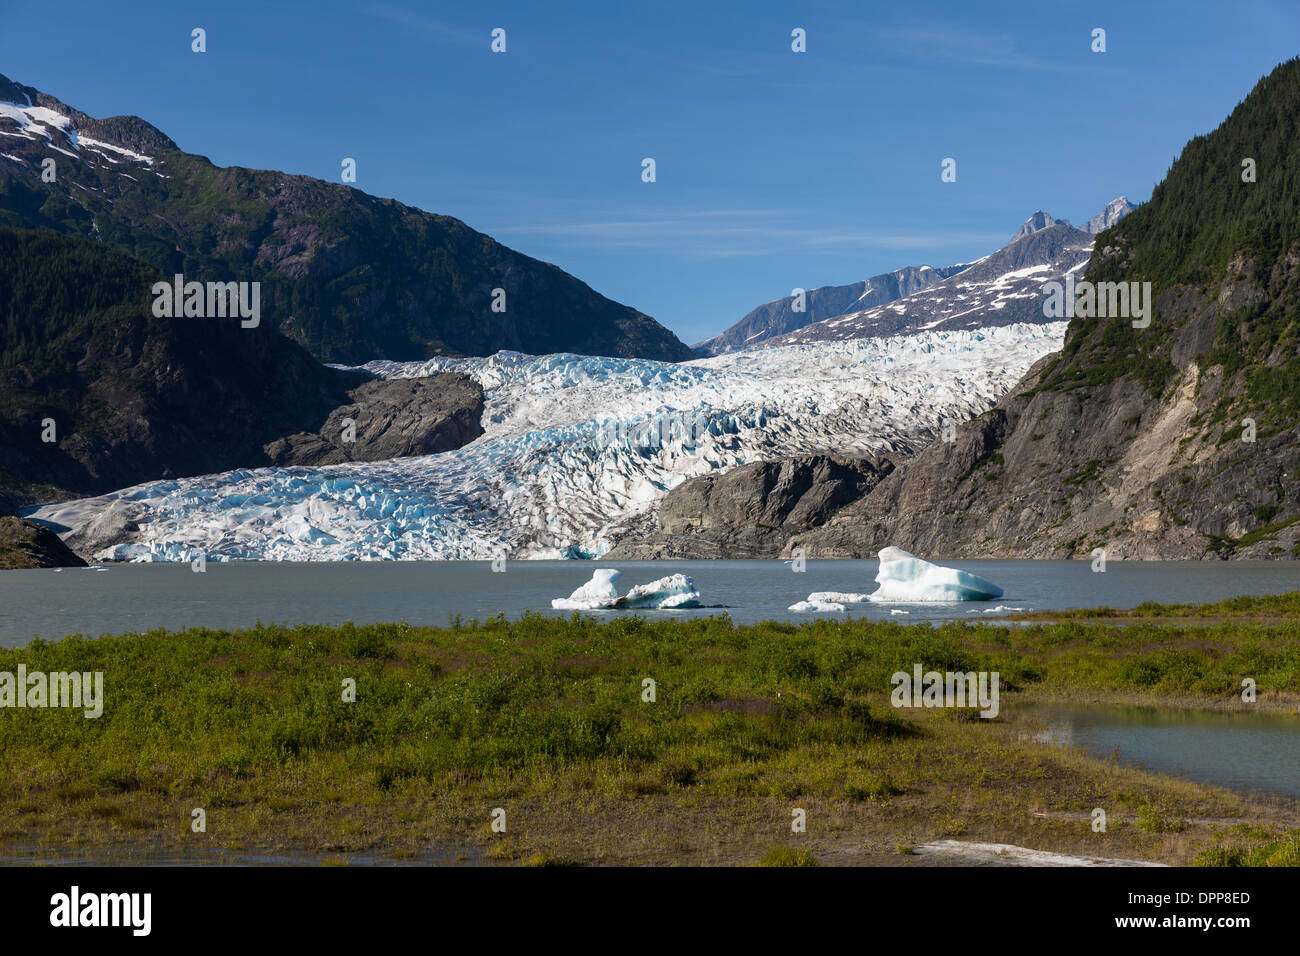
(774, 169)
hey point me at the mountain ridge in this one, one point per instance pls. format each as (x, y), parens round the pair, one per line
(824, 302)
(351, 276)
(776, 322)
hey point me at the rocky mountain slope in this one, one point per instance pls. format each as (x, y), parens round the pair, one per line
(350, 276)
(750, 511)
(97, 393)
(1178, 440)
(779, 316)
(27, 545)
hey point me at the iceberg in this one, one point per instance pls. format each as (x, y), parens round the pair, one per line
(817, 606)
(600, 593)
(597, 593)
(835, 597)
(906, 579)
(676, 590)
(828, 601)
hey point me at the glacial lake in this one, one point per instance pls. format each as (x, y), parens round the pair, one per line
(137, 597)
(1247, 752)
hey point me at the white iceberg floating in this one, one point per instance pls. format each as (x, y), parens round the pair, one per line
(906, 579)
(818, 606)
(674, 591)
(828, 601)
(596, 593)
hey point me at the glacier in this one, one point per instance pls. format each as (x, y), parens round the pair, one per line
(600, 593)
(576, 449)
(906, 579)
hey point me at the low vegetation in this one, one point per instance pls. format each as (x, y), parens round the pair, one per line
(549, 721)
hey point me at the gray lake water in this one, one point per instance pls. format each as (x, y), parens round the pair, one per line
(1246, 752)
(137, 597)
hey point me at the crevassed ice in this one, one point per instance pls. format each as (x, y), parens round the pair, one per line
(576, 449)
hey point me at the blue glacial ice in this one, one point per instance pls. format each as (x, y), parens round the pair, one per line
(906, 579)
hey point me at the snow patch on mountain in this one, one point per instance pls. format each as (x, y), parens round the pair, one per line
(37, 122)
(575, 449)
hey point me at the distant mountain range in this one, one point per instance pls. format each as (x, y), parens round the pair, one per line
(780, 316)
(991, 290)
(349, 276)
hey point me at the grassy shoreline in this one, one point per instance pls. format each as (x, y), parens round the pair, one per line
(544, 718)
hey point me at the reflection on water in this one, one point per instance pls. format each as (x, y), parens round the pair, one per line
(1245, 751)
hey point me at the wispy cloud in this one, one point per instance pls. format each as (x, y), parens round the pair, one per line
(932, 42)
(427, 25)
(728, 233)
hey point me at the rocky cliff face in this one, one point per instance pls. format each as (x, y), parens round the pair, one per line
(750, 511)
(390, 418)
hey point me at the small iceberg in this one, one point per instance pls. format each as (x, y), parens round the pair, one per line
(906, 579)
(836, 597)
(827, 601)
(598, 592)
(674, 591)
(818, 606)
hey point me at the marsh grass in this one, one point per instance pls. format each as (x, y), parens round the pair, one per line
(545, 718)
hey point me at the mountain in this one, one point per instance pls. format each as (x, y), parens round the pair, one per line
(27, 545)
(1003, 288)
(1177, 440)
(1115, 210)
(349, 276)
(1036, 223)
(97, 393)
(779, 316)
(846, 311)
